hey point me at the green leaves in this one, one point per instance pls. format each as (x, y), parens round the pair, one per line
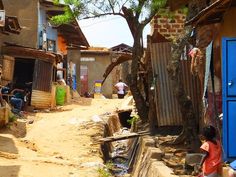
(142, 9)
(72, 10)
(65, 18)
(132, 120)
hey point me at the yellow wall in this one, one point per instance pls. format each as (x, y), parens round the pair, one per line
(226, 28)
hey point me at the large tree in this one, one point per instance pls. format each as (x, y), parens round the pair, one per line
(137, 13)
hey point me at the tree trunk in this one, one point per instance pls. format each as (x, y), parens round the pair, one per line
(139, 99)
(189, 133)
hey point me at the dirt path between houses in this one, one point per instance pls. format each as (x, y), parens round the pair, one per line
(58, 143)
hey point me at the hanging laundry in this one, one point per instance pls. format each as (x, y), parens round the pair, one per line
(197, 60)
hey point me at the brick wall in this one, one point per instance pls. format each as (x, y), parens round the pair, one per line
(168, 27)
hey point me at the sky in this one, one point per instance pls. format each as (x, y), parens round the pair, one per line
(108, 31)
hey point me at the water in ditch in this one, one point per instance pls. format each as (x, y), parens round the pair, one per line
(120, 155)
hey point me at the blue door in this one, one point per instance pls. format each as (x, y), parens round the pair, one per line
(229, 97)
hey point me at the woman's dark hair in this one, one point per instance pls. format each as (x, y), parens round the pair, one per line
(209, 132)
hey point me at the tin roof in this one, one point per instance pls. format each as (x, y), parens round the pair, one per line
(26, 52)
(211, 14)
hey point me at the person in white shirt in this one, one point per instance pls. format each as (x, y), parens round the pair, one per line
(60, 80)
(121, 87)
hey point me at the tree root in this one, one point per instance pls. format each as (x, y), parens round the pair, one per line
(181, 139)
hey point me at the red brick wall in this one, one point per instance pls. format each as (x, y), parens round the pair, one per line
(170, 28)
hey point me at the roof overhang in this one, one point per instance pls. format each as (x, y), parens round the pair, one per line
(122, 48)
(71, 32)
(211, 14)
(73, 35)
(97, 52)
(24, 52)
(50, 4)
(121, 58)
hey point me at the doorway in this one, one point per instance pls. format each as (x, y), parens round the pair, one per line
(23, 73)
(84, 79)
(229, 98)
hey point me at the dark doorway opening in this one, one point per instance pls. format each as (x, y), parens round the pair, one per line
(23, 73)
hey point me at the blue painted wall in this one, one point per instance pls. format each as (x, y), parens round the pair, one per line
(51, 33)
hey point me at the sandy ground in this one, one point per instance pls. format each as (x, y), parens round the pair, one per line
(58, 143)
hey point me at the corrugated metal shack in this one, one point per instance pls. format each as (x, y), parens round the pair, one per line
(167, 108)
(27, 65)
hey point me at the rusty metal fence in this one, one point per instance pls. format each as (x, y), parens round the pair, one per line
(167, 108)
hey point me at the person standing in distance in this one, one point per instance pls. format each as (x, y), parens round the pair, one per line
(121, 86)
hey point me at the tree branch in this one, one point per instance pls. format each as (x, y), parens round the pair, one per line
(102, 15)
(148, 19)
(112, 7)
(140, 6)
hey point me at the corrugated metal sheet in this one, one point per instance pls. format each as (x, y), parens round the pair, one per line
(167, 107)
(41, 99)
(191, 86)
(168, 113)
(43, 72)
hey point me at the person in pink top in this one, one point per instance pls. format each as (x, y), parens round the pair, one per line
(212, 149)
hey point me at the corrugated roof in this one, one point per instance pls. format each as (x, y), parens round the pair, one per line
(212, 13)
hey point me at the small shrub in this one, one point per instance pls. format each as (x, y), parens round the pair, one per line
(134, 119)
(105, 171)
(12, 118)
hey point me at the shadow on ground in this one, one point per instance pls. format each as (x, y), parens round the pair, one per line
(7, 145)
(9, 171)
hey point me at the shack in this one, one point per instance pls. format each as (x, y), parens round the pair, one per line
(163, 31)
(23, 66)
(33, 63)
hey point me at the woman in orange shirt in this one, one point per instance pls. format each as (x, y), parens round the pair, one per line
(212, 148)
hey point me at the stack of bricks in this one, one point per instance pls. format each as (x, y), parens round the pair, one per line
(169, 27)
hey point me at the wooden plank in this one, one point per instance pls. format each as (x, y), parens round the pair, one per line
(53, 97)
(8, 68)
(123, 137)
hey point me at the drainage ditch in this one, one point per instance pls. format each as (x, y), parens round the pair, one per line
(119, 153)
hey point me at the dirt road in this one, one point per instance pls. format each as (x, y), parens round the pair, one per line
(57, 144)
